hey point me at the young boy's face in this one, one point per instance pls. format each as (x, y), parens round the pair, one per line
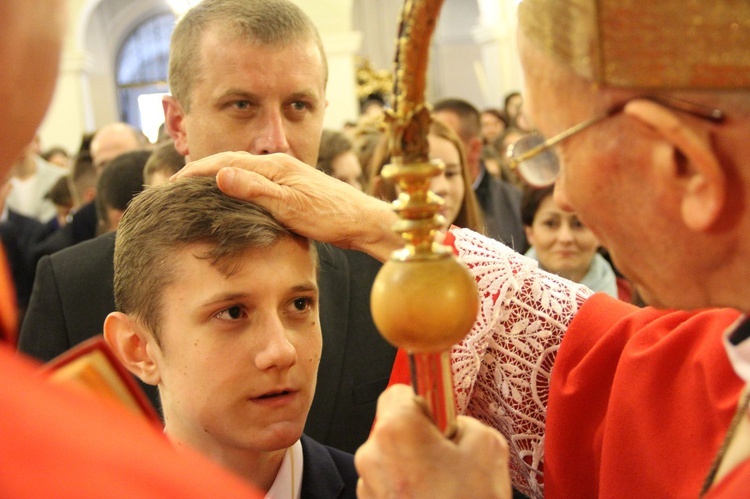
(239, 355)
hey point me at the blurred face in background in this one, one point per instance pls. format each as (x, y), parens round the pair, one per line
(492, 127)
(346, 168)
(449, 185)
(564, 246)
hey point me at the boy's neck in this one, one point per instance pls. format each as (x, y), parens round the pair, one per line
(259, 468)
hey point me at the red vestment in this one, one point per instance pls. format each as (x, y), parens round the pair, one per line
(639, 400)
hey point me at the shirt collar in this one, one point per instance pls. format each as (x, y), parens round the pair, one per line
(288, 482)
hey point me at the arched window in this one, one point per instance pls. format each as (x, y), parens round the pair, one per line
(142, 73)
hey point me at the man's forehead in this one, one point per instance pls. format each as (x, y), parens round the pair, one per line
(306, 51)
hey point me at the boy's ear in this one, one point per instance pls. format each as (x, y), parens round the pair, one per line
(691, 164)
(129, 341)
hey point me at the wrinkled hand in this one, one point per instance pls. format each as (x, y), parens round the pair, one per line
(406, 456)
(304, 199)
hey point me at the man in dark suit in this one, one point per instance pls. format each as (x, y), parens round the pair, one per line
(500, 200)
(263, 110)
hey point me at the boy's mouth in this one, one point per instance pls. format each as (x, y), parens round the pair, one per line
(278, 393)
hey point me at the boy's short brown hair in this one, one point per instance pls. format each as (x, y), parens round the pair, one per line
(176, 215)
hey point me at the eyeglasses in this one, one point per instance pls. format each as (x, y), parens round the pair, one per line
(532, 155)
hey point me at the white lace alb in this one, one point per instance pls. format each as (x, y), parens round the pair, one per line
(502, 368)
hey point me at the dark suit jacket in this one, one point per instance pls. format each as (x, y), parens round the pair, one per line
(327, 473)
(73, 293)
(501, 204)
(81, 228)
(19, 234)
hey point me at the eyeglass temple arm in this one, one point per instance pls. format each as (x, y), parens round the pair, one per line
(552, 141)
(707, 113)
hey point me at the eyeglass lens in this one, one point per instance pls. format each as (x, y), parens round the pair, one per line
(541, 169)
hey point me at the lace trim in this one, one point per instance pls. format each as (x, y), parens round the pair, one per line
(502, 368)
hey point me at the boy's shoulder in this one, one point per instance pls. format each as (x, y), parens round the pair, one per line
(328, 472)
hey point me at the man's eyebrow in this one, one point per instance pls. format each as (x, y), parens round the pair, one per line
(238, 93)
(304, 94)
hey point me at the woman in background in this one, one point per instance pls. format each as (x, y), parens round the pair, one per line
(563, 245)
(337, 158)
(461, 207)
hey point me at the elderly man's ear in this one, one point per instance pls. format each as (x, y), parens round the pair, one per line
(133, 345)
(687, 162)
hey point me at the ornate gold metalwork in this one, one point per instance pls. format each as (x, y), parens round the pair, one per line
(423, 299)
(371, 81)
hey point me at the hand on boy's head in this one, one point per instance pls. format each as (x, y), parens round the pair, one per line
(405, 447)
(303, 198)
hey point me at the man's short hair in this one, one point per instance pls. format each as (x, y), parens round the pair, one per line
(82, 176)
(265, 22)
(167, 218)
(164, 159)
(468, 116)
(119, 183)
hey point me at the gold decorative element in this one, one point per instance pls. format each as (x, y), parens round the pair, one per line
(423, 300)
(663, 44)
(371, 81)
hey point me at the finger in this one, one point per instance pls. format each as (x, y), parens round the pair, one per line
(270, 165)
(364, 491)
(471, 433)
(246, 185)
(395, 401)
(205, 167)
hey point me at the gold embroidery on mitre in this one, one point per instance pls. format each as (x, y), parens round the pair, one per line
(661, 44)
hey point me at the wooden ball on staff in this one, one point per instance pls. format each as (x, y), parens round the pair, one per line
(425, 305)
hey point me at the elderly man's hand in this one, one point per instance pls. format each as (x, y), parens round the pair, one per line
(406, 456)
(304, 199)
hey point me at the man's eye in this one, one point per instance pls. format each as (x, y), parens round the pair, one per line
(242, 104)
(299, 106)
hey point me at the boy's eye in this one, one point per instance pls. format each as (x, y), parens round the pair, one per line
(232, 313)
(302, 304)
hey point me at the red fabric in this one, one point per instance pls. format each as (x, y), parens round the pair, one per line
(62, 443)
(639, 402)
(400, 373)
(736, 485)
(8, 308)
